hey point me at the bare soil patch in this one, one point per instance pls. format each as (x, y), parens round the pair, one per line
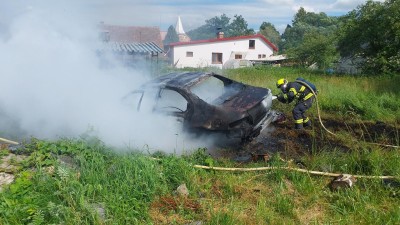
(282, 138)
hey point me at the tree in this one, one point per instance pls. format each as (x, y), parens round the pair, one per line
(372, 32)
(209, 30)
(269, 31)
(313, 19)
(238, 27)
(222, 23)
(307, 22)
(171, 36)
(300, 16)
(316, 48)
(311, 39)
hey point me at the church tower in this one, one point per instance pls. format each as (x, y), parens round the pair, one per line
(181, 33)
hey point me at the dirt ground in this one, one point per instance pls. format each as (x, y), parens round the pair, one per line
(282, 138)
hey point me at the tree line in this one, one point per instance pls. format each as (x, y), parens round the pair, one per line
(369, 34)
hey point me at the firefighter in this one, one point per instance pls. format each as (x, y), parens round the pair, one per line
(303, 95)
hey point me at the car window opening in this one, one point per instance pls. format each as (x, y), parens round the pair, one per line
(141, 101)
(214, 91)
(171, 101)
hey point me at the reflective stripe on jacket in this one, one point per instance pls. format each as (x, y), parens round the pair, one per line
(295, 91)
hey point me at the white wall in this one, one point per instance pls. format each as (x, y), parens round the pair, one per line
(202, 52)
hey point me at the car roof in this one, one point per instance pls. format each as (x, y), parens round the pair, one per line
(182, 80)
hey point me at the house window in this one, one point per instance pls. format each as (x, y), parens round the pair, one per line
(216, 58)
(259, 56)
(264, 56)
(189, 54)
(238, 56)
(252, 44)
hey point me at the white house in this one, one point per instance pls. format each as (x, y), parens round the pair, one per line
(216, 52)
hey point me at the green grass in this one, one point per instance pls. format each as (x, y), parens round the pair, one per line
(125, 184)
(127, 187)
(83, 181)
(372, 98)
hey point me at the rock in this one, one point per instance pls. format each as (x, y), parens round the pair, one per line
(10, 163)
(342, 181)
(182, 190)
(67, 161)
(100, 210)
(50, 170)
(5, 179)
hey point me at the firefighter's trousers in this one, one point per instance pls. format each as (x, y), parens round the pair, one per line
(299, 112)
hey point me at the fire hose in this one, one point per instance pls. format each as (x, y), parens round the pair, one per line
(289, 168)
(313, 172)
(8, 141)
(322, 124)
(316, 101)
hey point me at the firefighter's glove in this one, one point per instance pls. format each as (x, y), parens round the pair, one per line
(281, 98)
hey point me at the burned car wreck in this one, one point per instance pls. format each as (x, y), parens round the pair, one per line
(207, 103)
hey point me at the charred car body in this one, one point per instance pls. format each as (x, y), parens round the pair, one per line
(207, 102)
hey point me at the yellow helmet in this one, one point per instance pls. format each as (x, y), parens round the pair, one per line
(281, 82)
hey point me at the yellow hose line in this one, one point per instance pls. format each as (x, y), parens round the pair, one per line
(320, 120)
(8, 141)
(289, 168)
(391, 146)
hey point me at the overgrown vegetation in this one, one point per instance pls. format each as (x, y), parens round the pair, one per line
(371, 32)
(83, 181)
(367, 36)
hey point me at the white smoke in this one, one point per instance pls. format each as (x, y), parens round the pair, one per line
(52, 83)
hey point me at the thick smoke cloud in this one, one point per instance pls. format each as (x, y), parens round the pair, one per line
(52, 83)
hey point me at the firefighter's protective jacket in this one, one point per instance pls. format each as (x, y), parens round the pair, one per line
(295, 90)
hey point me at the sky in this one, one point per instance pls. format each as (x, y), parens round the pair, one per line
(193, 13)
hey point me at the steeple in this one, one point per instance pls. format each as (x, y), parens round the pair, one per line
(179, 27)
(181, 33)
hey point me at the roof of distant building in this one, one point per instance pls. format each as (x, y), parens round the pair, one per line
(227, 39)
(148, 47)
(163, 34)
(133, 34)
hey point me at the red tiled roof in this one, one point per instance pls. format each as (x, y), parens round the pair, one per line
(133, 34)
(227, 39)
